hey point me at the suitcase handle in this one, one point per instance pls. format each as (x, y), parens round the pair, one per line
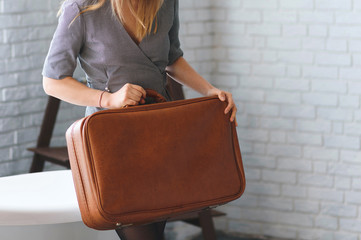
(158, 98)
(154, 94)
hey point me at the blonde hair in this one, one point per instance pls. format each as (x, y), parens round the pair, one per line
(145, 13)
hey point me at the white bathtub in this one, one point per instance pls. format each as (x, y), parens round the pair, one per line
(43, 206)
(61, 231)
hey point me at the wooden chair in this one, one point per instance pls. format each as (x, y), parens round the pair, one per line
(43, 152)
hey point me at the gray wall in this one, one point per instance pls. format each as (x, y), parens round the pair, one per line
(293, 67)
(26, 28)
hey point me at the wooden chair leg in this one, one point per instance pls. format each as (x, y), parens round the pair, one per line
(160, 229)
(37, 164)
(206, 223)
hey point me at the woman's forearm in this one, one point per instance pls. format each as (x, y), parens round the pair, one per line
(183, 73)
(72, 91)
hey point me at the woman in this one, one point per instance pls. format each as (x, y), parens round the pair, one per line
(123, 46)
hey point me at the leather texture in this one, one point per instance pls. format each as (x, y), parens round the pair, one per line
(147, 163)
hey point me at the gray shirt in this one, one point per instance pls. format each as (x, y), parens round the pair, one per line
(106, 52)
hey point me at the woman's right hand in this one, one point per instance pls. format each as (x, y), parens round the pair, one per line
(129, 94)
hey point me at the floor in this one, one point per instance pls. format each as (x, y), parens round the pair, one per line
(224, 236)
(181, 231)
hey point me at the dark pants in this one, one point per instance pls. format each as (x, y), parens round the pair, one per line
(153, 231)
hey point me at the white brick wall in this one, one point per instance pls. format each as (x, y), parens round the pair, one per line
(293, 67)
(26, 28)
(295, 70)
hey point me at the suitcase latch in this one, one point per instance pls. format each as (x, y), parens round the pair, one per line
(214, 206)
(120, 225)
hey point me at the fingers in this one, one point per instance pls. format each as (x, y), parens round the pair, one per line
(133, 94)
(129, 94)
(222, 96)
(231, 106)
(233, 115)
(138, 88)
(230, 103)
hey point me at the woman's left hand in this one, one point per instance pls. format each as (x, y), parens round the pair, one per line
(225, 96)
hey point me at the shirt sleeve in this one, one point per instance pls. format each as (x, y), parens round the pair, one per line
(65, 46)
(175, 51)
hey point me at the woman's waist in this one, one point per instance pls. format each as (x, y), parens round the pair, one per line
(114, 82)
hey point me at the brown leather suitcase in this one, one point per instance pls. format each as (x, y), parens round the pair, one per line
(147, 163)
